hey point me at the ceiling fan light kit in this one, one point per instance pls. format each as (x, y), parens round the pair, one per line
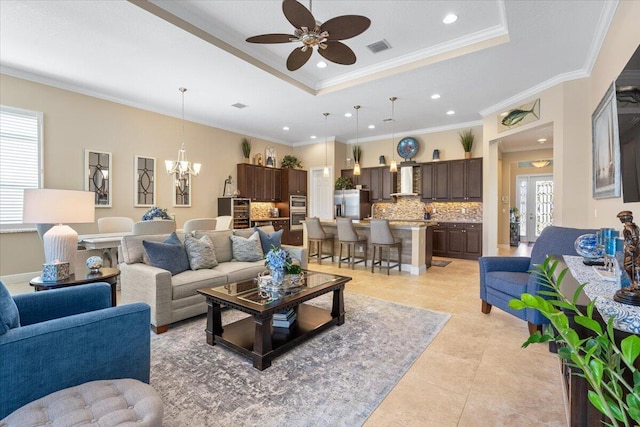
(324, 37)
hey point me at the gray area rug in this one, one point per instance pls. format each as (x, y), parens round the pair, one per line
(335, 379)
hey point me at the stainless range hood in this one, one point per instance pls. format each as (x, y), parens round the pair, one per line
(406, 182)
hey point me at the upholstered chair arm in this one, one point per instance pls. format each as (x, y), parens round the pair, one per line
(47, 305)
(299, 253)
(40, 358)
(503, 263)
(151, 285)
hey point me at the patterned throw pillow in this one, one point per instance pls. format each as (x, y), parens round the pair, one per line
(201, 252)
(247, 249)
(169, 255)
(269, 240)
(9, 316)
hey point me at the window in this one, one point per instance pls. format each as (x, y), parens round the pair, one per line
(20, 161)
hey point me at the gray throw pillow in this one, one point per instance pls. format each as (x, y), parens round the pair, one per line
(169, 255)
(9, 316)
(247, 249)
(201, 252)
(270, 240)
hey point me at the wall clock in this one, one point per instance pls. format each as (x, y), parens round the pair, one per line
(408, 147)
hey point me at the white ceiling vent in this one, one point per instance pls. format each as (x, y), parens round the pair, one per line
(379, 46)
(239, 105)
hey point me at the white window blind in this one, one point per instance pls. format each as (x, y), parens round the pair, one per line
(20, 161)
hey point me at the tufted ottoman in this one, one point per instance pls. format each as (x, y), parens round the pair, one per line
(104, 403)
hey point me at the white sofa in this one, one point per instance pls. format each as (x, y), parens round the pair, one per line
(175, 298)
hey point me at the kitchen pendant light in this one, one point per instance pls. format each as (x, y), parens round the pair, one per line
(182, 166)
(356, 166)
(394, 165)
(325, 171)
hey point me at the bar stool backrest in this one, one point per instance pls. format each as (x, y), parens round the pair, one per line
(314, 229)
(346, 231)
(380, 232)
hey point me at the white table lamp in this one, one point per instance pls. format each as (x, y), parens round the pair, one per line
(58, 207)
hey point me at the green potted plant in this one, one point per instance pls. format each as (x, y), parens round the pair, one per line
(246, 149)
(608, 368)
(344, 183)
(466, 139)
(291, 162)
(357, 153)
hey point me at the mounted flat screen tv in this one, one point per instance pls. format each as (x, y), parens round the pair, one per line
(628, 106)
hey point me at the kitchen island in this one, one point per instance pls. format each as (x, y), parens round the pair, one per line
(416, 236)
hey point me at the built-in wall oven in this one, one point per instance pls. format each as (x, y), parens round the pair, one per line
(297, 211)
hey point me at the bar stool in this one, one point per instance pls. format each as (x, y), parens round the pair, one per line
(347, 236)
(316, 237)
(381, 237)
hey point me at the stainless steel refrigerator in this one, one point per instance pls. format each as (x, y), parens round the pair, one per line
(352, 204)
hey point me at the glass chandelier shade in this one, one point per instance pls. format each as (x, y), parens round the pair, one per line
(394, 165)
(182, 166)
(325, 171)
(356, 166)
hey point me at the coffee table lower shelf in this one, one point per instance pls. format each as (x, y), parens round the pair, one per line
(240, 336)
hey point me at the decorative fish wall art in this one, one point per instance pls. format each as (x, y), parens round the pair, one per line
(519, 116)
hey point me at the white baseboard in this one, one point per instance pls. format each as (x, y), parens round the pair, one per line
(12, 279)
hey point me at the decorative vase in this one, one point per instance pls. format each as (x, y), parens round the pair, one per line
(94, 263)
(467, 154)
(436, 155)
(277, 276)
(247, 160)
(587, 247)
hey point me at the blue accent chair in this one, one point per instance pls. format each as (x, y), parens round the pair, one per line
(68, 337)
(505, 278)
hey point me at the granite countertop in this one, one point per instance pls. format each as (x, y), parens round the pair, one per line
(469, 221)
(396, 224)
(281, 218)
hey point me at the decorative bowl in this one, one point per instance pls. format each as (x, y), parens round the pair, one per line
(587, 247)
(94, 263)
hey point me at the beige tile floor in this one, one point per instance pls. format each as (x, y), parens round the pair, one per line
(475, 372)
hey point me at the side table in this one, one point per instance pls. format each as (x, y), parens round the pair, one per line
(82, 277)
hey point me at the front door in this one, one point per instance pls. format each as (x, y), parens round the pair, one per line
(320, 195)
(535, 202)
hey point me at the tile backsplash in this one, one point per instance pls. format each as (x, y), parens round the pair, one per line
(411, 208)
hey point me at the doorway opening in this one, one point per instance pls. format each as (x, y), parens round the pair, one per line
(534, 198)
(320, 194)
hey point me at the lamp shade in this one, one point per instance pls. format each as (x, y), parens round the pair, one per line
(44, 205)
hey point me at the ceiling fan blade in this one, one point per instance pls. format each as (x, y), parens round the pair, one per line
(298, 58)
(298, 15)
(346, 26)
(339, 53)
(271, 38)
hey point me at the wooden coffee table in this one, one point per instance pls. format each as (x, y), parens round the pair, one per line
(254, 337)
(81, 277)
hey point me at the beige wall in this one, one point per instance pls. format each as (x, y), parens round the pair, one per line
(569, 107)
(75, 122)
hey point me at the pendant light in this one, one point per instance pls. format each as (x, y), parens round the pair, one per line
(356, 166)
(182, 166)
(325, 171)
(394, 165)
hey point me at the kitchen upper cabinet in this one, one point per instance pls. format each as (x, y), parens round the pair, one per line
(294, 181)
(259, 183)
(246, 178)
(466, 180)
(435, 181)
(382, 183)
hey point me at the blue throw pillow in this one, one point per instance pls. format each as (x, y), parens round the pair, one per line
(269, 240)
(169, 255)
(9, 316)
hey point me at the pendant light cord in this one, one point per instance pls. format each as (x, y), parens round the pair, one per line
(393, 126)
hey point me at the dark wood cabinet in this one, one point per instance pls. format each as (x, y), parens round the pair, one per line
(466, 180)
(435, 181)
(282, 224)
(259, 183)
(294, 182)
(382, 183)
(295, 238)
(245, 178)
(458, 240)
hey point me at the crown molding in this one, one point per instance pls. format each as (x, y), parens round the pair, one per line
(415, 132)
(608, 11)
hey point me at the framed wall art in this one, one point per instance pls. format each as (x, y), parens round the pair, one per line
(98, 176)
(526, 113)
(144, 181)
(182, 190)
(270, 157)
(606, 147)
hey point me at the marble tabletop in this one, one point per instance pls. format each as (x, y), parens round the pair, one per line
(626, 317)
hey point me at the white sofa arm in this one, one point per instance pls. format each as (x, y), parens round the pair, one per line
(299, 253)
(145, 283)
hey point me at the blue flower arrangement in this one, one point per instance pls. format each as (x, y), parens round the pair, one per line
(277, 258)
(155, 212)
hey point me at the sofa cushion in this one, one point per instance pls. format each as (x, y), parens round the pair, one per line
(169, 255)
(187, 283)
(238, 271)
(269, 240)
(509, 282)
(247, 249)
(201, 252)
(9, 316)
(221, 243)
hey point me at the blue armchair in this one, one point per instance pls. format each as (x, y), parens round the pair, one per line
(505, 278)
(68, 337)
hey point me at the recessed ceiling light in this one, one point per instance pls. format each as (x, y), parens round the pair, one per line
(450, 18)
(313, 137)
(321, 64)
(372, 126)
(285, 128)
(347, 114)
(542, 140)
(435, 96)
(450, 113)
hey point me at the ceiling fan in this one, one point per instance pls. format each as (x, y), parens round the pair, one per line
(324, 36)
